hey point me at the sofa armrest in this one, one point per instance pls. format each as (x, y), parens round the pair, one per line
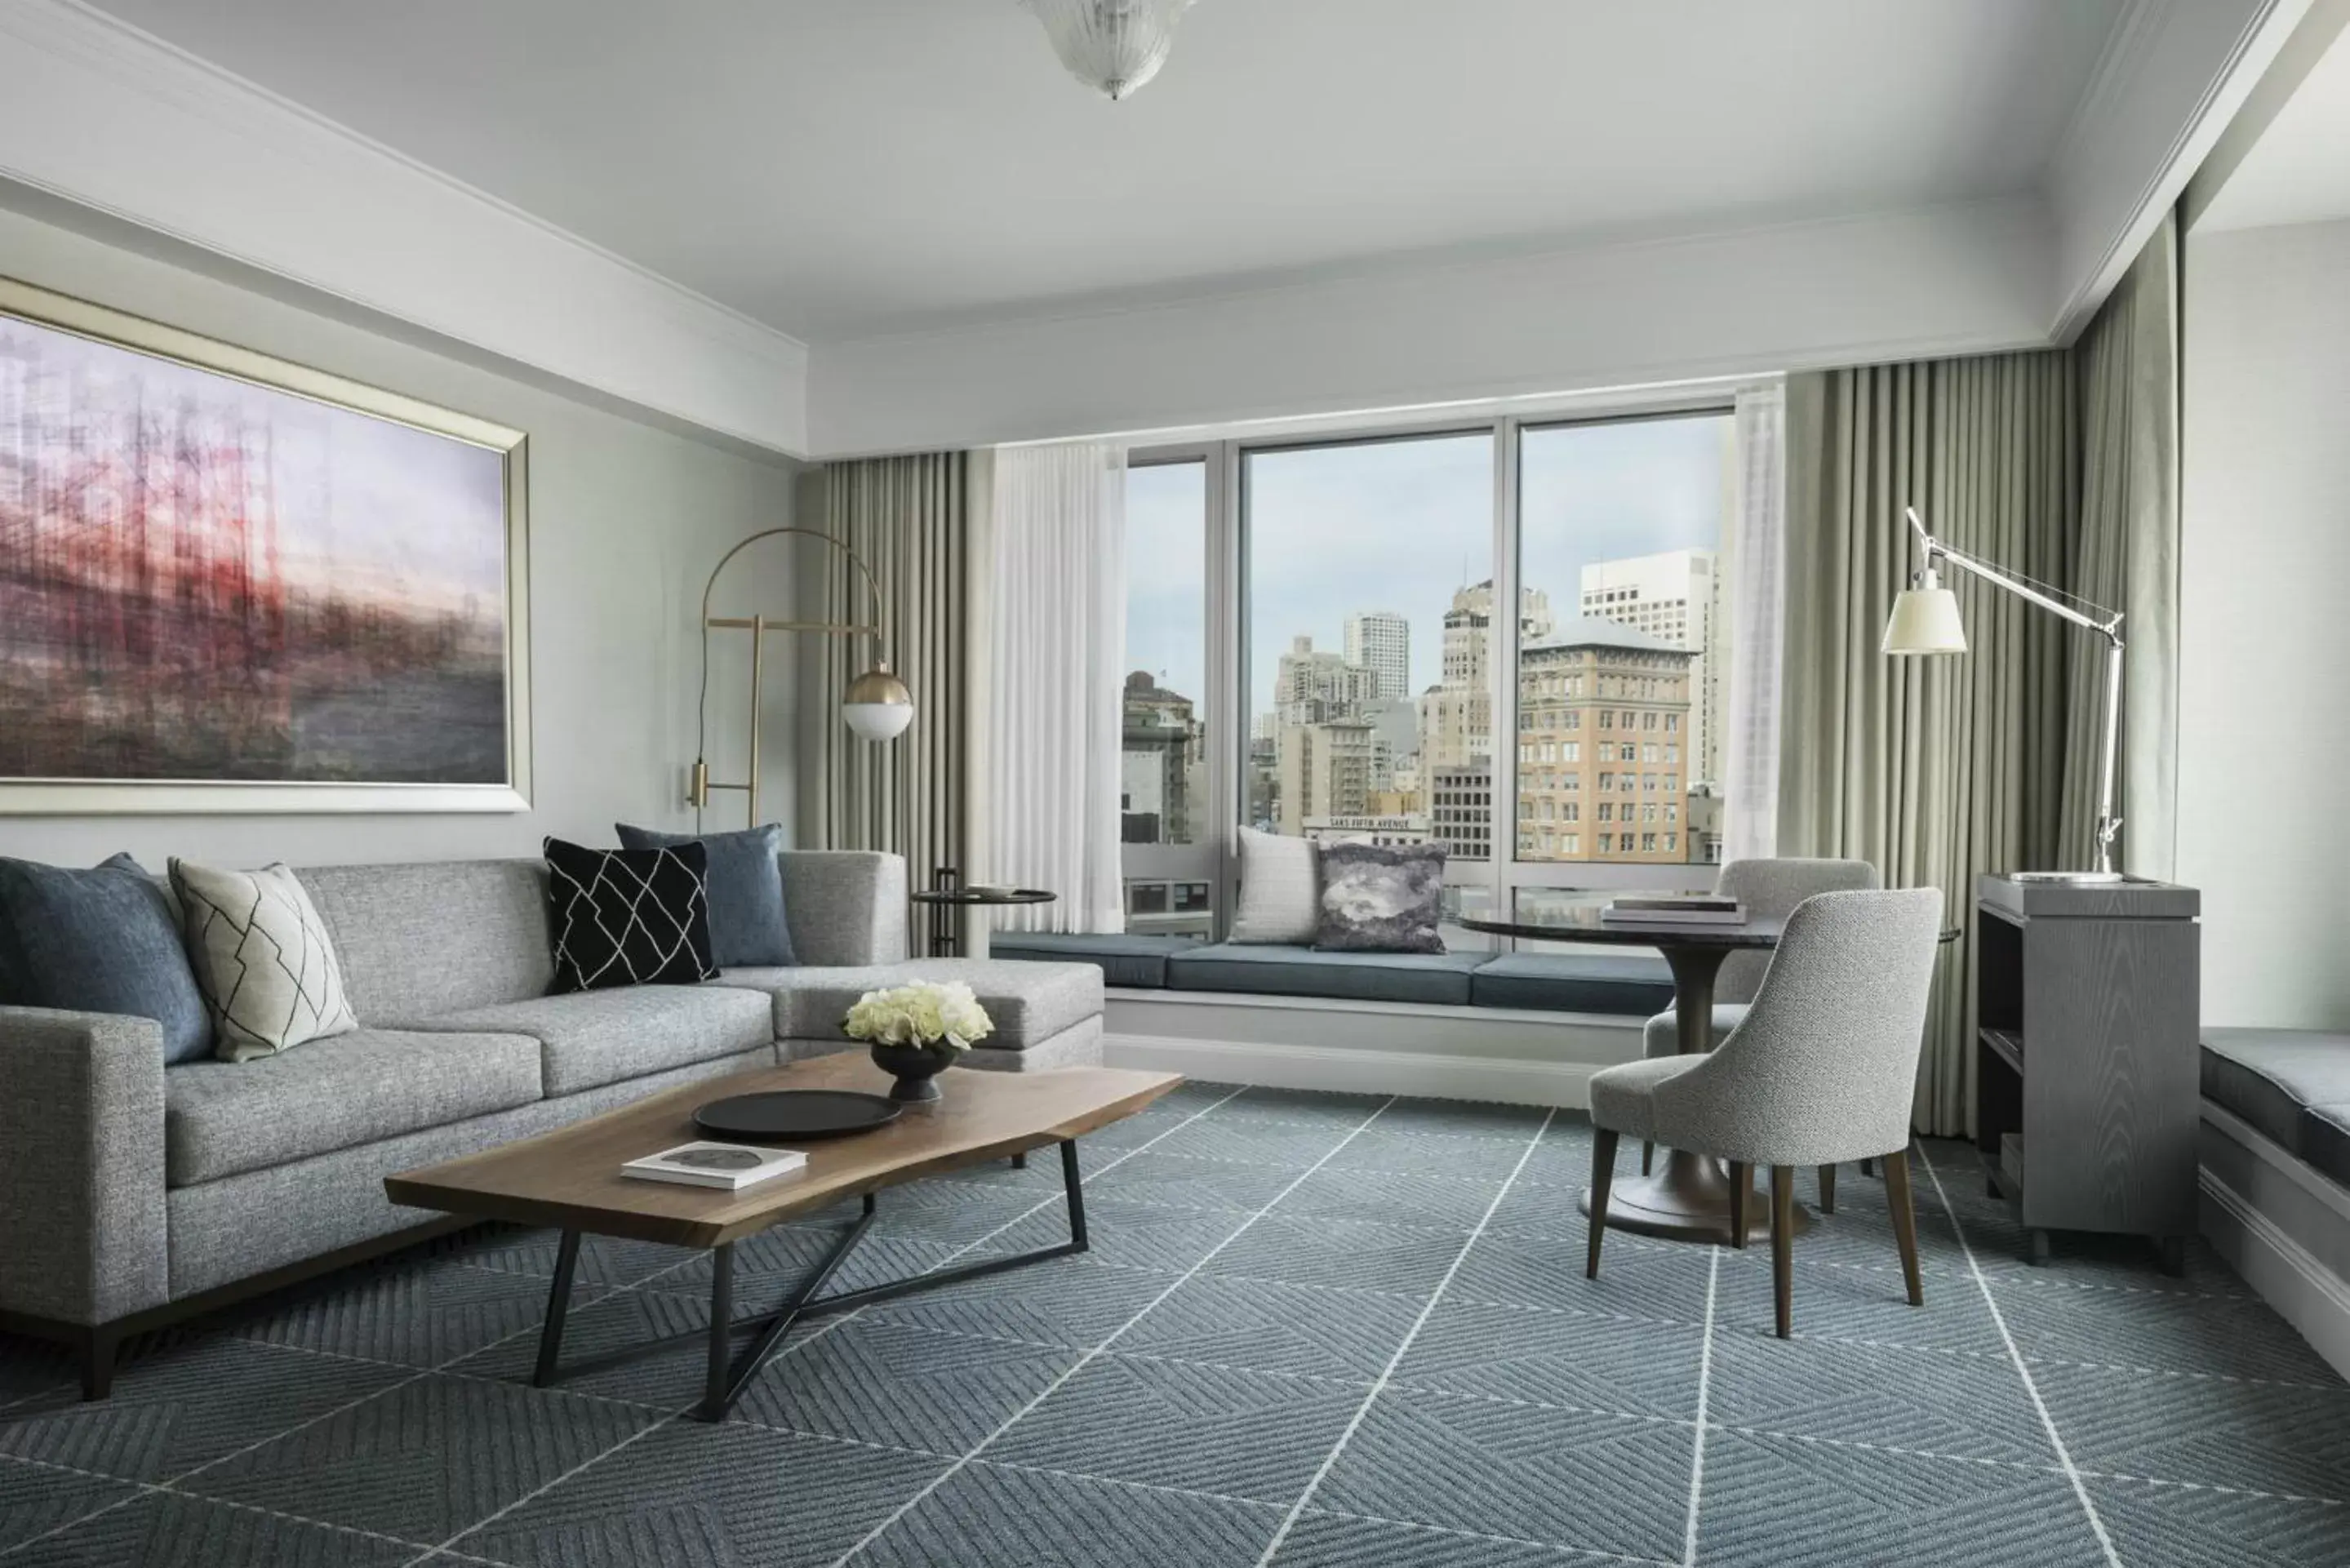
(83, 1233)
(844, 906)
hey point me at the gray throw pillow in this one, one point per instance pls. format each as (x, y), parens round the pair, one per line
(747, 929)
(102, 940)
(1378, 899)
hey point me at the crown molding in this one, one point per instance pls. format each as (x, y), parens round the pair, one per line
(113, 118)
(2172, 76)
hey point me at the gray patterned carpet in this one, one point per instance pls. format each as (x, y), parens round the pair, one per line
(1316, 1330)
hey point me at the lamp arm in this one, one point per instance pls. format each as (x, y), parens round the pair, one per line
(2109, 627)
(872, 584)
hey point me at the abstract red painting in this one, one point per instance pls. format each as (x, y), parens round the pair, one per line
(207, 579)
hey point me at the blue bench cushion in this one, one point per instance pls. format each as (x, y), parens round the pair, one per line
(1633, 985)
(2269, 1076)
(2325, 1140)
(1271, 970)
(1129, 960)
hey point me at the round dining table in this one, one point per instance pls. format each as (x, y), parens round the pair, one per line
(1689, 1198)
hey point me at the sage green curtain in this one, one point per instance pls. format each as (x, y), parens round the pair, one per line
(2059, 466)
(1936, 769)
(907, 517)
(2128, 366)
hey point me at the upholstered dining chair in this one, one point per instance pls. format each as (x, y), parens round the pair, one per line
(1821, 1070)
(1770, 889)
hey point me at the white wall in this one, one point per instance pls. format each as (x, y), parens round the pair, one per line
(104, 115)
(1953, 280)
(2264, 677)
(626, 522)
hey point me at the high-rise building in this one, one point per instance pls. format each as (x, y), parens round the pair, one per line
(1325, 770)
(1311, 686)
(1677, 598)
(1604, 736)
(1380, 642)
(1163, 753)
(1456, 716)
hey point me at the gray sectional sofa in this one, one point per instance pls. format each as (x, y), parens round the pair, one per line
(132, 1194)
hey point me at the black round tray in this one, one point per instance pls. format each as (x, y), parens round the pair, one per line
(793, 1116)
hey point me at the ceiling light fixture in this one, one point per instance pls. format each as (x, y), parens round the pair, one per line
(1111, 46)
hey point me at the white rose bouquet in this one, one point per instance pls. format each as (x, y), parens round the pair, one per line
(926, 1013)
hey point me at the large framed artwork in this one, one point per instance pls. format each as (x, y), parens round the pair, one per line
(229, 583)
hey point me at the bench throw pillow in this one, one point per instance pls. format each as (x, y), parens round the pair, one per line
(629, 917)
(260, 958)
(102, 940)
(1280, 890)
(746, 892)
(1381, 899)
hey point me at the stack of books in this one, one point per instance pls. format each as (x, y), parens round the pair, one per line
(1674, 909)
(730, 1166)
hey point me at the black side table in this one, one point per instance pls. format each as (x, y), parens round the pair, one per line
(948, 896)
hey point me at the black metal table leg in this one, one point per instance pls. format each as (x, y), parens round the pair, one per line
(1077, 1193)
(714, 1398)
(558, 1307)
(725, 1378)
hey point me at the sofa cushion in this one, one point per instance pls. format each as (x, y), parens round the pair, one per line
(2268, 1076)
(221, 1118)
(1028, 1003)
(1137, 962)
(102, 940)
(590, 1038)
(746, 891)
(416, 941)
(1629, 984)
(2325, 1139)
(1439, 978)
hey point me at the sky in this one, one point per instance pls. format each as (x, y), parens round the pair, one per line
(366, 507)
(1400, 525)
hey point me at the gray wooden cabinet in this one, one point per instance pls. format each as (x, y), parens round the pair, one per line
(2087, 1069)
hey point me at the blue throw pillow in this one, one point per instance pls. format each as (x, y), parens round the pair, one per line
(746, 892)
(102, 940)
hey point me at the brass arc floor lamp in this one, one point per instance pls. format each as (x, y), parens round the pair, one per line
(876, 705)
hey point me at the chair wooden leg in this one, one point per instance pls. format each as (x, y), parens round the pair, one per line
(1904, 1222)
(1828, 1189)
(1648, 1156)
(1783, 1247)
(1603, 1174)
(1741, 1187)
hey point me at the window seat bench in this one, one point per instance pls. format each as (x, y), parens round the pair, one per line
(1626, 985)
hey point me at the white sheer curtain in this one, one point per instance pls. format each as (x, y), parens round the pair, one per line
(1059, 576)
(1758, 556)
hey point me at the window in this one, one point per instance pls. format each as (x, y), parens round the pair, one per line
(1167, 742)
(1389, 637)
(1366, 571)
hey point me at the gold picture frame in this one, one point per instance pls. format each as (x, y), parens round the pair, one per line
(79, 793)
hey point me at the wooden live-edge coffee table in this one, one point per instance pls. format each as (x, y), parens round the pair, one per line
(571, 1178)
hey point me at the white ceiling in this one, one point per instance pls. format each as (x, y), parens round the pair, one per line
(2299, 170)
(843, 167)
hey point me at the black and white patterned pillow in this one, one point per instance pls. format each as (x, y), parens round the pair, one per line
(630, 917)
(1378, 899)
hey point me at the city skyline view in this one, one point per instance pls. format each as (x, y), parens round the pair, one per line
(1399, 526)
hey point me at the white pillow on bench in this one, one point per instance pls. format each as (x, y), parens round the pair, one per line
(1280, 890)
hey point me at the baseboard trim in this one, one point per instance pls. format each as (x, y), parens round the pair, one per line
(1344, 1069)
(2304, 1291)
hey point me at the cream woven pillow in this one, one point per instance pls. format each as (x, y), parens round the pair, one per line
(1281, 890)
(262, 959)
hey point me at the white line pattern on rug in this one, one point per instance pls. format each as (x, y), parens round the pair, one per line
(2047, 1421)
(1704, 1392)
(1091, 1355)
(1289, 1521)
